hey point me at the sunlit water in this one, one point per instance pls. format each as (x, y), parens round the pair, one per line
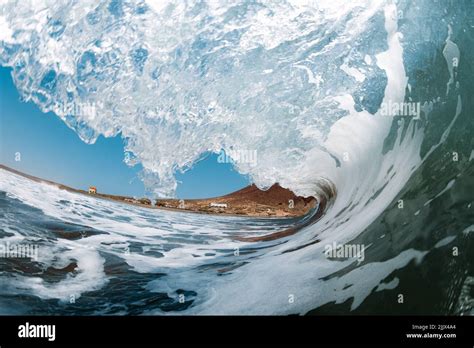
(303, 84)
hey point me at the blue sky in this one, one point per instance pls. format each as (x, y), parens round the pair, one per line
(50, 150)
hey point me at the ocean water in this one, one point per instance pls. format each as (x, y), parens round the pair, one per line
(314, 88)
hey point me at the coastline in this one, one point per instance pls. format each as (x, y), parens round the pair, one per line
(249, 202)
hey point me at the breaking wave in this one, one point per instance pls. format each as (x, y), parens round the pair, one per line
(310, 86)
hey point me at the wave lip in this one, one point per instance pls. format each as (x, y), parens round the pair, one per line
(218, 76)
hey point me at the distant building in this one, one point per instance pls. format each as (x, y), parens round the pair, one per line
(218, 205)
(145, 201)
(92, 190)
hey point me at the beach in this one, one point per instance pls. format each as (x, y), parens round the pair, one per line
(250, 201)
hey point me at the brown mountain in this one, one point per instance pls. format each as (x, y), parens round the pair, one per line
(249, 201)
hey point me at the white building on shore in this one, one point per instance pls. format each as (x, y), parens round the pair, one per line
(218, 205)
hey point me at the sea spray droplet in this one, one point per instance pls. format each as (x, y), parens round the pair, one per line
(85, 66)
(139, 57)
(55, 28)
(49, 81)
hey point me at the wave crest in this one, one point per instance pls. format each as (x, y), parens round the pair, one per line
(178, 80)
